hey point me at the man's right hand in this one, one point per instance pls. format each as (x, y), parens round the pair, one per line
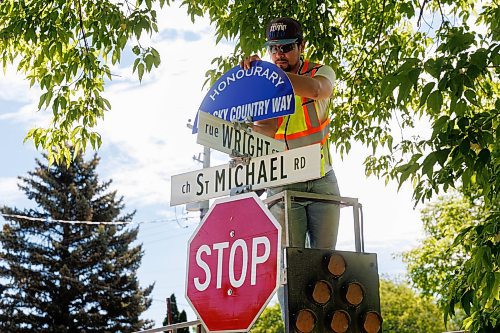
(245, 63)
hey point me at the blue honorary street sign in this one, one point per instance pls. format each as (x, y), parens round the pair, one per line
(261, 92)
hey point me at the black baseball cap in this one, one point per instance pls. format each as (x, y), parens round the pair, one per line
(282, 31)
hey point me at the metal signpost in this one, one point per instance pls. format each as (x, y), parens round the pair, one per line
(233, 264)
(234, 254)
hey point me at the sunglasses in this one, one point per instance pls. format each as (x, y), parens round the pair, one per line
(273, 49)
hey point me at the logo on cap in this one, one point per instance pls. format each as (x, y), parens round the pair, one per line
(277, 27)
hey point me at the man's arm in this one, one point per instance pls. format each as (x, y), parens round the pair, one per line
(316, 88)
(267, 127)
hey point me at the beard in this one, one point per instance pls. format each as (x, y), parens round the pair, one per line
(285, 65)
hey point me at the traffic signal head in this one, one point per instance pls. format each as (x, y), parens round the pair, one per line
(332, 291)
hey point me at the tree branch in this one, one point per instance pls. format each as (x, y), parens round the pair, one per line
(376, 44)
(421, 12)
(80, 17)
(441, 11)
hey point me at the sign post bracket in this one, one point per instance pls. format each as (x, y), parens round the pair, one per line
(245, 124)
(238, 158)
(240, 190)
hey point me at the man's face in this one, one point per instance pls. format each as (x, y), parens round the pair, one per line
(286, 57)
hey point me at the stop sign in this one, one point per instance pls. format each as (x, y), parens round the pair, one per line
(233, 259)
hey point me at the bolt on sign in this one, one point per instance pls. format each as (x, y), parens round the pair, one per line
(261, 92)
(233, 259)
(231, 138)
(332, 291)
(291, 166)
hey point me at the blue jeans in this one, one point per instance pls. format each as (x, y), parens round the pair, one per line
(316, 221)
(319, 221)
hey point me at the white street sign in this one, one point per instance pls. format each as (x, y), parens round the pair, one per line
(291, 166)
(227, 137)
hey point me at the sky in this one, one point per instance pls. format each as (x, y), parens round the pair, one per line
(146, 140)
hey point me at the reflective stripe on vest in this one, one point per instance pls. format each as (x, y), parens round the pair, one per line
(303, 128)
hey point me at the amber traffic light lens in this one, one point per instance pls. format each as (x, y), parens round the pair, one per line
(372, 322)
(336, 265)
(340, 321)
(305, 321)
(354, 294)
(322, 292)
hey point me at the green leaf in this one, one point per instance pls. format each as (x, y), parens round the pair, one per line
(408, 65)
(484, 156)
(107, 103)
(425, 92)
(48, 98)
(136, 63)
(437, 127)
(466, 301)
(435, 101)
(388, 84)
(140, 71)
(42, 100)
(464, 146)
(149, 62)
(460, 108)
(55, 105)
(433, 67)
(466, 177)
(413, 76)
(428, 164)
(122, 41)
(471, 96)
(442, 156)
(404, 89)
(479, 58)
(156, 57)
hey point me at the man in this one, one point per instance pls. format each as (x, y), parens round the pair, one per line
(312, 84)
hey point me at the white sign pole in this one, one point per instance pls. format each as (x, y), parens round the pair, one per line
(291, 166)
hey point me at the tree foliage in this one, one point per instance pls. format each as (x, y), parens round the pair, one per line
(65, 47)
(64, 277)
(404, 311)
(461, 271)
(269, 321)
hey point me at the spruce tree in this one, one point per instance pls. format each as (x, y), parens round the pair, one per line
(177, 317)
(70, 277)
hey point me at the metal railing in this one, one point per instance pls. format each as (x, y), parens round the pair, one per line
(357, 209)
(174, 327)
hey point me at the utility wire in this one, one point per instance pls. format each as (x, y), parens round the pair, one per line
(50, 220)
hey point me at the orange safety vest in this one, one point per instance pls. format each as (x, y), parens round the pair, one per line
(303, 127)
